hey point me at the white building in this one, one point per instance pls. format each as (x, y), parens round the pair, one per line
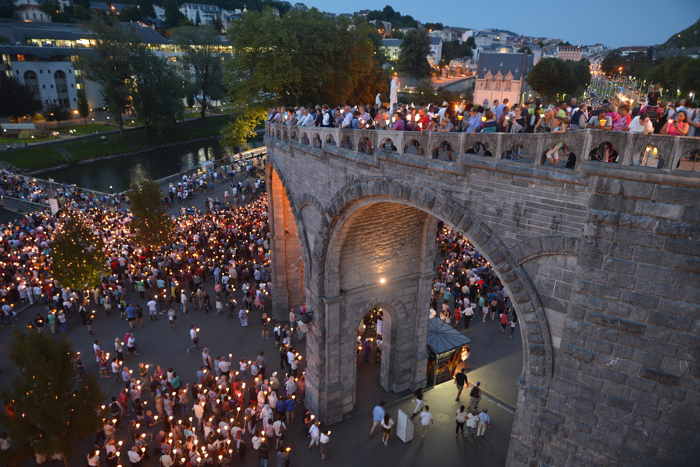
(435, 51)
(391, 48)
(466, 35)
(30, 11)
(204, 14)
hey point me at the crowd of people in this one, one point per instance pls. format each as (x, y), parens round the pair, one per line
(647, 117)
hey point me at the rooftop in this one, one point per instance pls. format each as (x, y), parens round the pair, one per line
(517, 64)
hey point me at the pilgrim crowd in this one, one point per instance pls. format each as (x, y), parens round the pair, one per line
(649, 116)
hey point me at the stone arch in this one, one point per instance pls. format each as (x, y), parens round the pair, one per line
(305, 139)
(444, 152)
(294, 135)
(480, 148)
(346, 142)
(292, 264)
(690, 161)
(537, 341)
(317, 141)
(559, 155)
(330, 140)
(651, 156)
(414, 147)
(365, 146)
(514, 152)
(605, 152)
(387, 145)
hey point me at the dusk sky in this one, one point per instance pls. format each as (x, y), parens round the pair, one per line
(614, 23)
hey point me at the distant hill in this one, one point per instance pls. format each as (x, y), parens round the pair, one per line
(689, 37)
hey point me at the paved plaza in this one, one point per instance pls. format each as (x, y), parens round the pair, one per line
(495, 361)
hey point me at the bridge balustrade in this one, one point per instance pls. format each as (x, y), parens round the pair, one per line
(557, 150)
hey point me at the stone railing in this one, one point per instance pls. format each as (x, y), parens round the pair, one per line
(667, 153)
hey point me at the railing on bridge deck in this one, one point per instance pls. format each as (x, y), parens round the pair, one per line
(662, 152)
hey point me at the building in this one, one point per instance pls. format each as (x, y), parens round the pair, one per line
(435, 51)
(501, 76)
(204, 14)
(569, 53)
(30, 11)
(50, 72)
(383, 27)
(633, 50)
(46, 57)
(391, 48)
(466, 35)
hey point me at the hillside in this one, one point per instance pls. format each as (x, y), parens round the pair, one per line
(689, 37)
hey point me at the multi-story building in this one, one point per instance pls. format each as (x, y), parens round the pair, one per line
(501, 76)
(569, 52)
(383, 27)
(391, 48)
(204, 14)
(435, 51)
(30, 11)
(46, 57)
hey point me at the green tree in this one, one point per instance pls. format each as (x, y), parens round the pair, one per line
(278, 61)
(110, 66)
(17, 99)
(471, 43)
(454, 49)
(51, 407)
(414, 51)
(552, 78)
(243, 127)
(83, 105)
(151, 224)
(77, 254)
(173, 16)
(157, 92)
(202, 63)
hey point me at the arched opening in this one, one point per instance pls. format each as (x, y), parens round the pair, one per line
(317, 141)
(388, 146)
(690, 161)
(651, 157)
(373, 354)
(61, 88)
(365, 146)
(414, 147)
(330, 141)
(384, 252)
(444, 152)
(288, 262)
(346, 142)
(32, 82)
(305, 139)
(605, 152)
(559, 155)
(480, 149)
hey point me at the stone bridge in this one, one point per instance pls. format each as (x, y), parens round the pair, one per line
(601, 260)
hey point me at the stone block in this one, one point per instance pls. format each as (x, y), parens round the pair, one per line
(660, 377)
(655, 209)
(624, 325)
(683, 246)
(578, 353)
(619, 266)
(620, 403)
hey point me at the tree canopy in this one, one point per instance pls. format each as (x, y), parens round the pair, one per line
(77, 254)
(553, 78)
(396, 19)
(17, 99)
(279, 61)
(414, 51)
(51, 406)
(455, 49)
(202, 62)
(152, 226)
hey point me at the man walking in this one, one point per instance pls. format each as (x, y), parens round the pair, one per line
(377, 417)
(484, 421)
(475, 396)
(461, 380)
(194, 338)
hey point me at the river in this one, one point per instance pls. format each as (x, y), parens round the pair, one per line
(117, 174)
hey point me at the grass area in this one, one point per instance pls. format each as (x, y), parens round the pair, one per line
(68, 130)
(41, 157)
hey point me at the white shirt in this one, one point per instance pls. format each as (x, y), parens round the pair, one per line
(166, 460)
(152, 306)
(134, 456)
(314, 432)
(425, 418)
(636, 126)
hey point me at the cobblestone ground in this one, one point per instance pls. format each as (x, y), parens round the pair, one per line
(496, 361)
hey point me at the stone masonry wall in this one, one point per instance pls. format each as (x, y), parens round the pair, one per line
(602, 262)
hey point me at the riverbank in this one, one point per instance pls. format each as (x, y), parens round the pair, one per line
(99, 146)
